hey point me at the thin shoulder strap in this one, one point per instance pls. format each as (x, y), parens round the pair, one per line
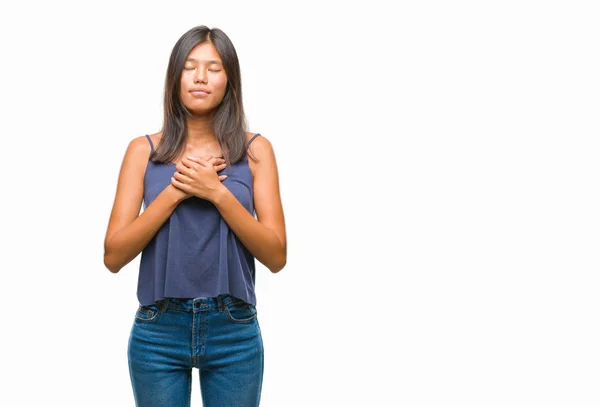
(252, 139)
(151, 144)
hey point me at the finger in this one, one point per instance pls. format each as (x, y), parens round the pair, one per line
(222, 177)
(179, 185)
(216, 160)
(220, 167)
(181, 177)
(181, 168)
(190, 160)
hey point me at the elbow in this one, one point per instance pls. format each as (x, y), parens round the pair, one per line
(280, 259)
(277, 266)
(110, 264)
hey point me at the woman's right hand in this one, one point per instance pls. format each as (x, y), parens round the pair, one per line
(218, 164)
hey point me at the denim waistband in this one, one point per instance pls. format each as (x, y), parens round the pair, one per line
(197, 304)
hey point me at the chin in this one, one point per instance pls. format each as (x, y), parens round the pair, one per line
(200, 112)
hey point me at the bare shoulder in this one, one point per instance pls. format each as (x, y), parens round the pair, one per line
(142, 141)
(261, 158)
(261, 147)
(155, 138)
(137, 155)
(139, 145)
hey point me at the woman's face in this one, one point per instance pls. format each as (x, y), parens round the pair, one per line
(203, 80)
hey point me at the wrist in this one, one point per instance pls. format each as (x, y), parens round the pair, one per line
(175, 195)
(218, 195)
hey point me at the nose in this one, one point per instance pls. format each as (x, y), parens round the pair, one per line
(200, 76)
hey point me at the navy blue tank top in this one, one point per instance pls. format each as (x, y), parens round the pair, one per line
(194, 253)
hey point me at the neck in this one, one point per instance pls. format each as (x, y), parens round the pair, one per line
(200, 131)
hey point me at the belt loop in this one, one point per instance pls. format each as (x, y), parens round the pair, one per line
(163, 304)
(220, 303)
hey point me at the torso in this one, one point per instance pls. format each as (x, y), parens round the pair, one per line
(195, 252)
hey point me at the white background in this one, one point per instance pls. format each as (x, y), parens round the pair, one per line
(439, 174)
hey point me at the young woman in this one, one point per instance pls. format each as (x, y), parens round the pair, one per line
(202, 179)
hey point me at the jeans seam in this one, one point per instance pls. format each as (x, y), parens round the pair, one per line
(190, 391)
(152, 318)
(240, 321)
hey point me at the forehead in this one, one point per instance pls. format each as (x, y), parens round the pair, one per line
(205, 52)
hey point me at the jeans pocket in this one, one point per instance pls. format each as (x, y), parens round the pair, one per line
(146, 313)
(240, 312)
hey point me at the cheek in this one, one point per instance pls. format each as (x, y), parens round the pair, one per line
(182, 88)
(184, 96)
(221, 84)
(185, 78)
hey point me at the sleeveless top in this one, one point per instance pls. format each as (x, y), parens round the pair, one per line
(194, 253)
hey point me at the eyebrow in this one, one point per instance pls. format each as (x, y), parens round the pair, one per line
(211, 61)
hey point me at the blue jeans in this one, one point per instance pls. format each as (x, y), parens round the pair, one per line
(220, 336)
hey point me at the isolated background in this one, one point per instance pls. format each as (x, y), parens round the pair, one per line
(439, 174)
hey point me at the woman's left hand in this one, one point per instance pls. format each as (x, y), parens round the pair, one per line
(198, 177)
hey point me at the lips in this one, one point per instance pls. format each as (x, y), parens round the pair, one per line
(200, 91)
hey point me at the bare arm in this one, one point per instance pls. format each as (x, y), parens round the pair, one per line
(128, 231)
(265, 238)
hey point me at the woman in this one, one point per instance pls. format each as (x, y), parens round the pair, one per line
(201, 180)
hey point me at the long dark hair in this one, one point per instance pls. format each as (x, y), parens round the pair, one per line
(229, 121)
